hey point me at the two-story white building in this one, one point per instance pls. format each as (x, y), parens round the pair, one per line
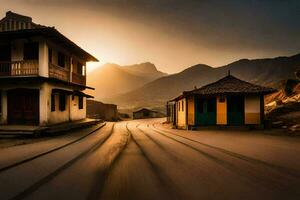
(42, 74)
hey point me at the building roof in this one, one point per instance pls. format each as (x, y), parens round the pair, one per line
(12, 15)
(53, 35)
(18, 19)
(228, 85)
(145, 110)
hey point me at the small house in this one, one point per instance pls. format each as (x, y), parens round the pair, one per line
(226, 102)
(145, 113)
(99, 110)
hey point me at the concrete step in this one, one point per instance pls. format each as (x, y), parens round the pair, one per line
(15, 130)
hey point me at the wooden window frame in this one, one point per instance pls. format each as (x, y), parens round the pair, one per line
(61, 59)
(52, 102)
(80, 102)
(79, 68)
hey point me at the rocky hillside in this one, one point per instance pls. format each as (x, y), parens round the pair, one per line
(283, 107)
(268, 72)
(112, 79)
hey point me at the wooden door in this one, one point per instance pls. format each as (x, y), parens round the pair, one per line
(206, 111)
(23, 106)
(235, 110)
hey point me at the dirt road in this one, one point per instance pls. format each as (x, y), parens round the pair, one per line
(144, 159)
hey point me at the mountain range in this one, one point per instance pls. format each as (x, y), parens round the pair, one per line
(155, 93)
(112, 79)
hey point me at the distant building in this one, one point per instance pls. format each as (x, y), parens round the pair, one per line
(145, 113)
(99, 110)
(228, 101)
(42, 74)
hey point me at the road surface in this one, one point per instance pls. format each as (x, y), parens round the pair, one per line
(145, 159)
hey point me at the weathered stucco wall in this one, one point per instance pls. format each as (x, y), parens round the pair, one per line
(181, 112)
(191, 110)
(252, 109)
(46, 116)
(76, 113)
(221, 111)
(56, 116)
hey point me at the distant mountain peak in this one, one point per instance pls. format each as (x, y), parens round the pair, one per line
(198, 67)
(144, 68)
(111, 79)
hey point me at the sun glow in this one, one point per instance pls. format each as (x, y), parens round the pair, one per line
(90, 66)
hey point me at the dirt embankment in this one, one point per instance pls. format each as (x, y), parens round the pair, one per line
(283, 107)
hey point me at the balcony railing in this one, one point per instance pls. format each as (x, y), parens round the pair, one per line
(78, 78)
(31, 68)
(19, 68)
(58, 72)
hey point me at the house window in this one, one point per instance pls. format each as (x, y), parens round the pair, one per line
(31, 51)
(178, 105)
(50, 55)
(61, 59)
(62, 102)
(52, 102)
(80, 102)
(79, 68)
(182, 105)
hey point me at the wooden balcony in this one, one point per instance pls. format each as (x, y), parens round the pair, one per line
(19, 68)
(78, 79)
(31, 68)
(58, 72)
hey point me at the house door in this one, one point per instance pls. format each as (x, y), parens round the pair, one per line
(23, 106)
(206, 111)
(235, 110)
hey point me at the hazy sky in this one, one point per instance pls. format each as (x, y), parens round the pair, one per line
(173, 34)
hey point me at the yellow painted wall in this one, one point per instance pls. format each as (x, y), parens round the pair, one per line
(252, 109)
(191, 110)
(221, 112)
(181, 113)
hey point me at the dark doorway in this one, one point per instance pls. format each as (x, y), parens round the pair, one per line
(235, 110)
(23, 106)
(206, 111)
(31, 51)
(5, 59)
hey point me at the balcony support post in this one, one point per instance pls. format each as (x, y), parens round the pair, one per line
(43, 59)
